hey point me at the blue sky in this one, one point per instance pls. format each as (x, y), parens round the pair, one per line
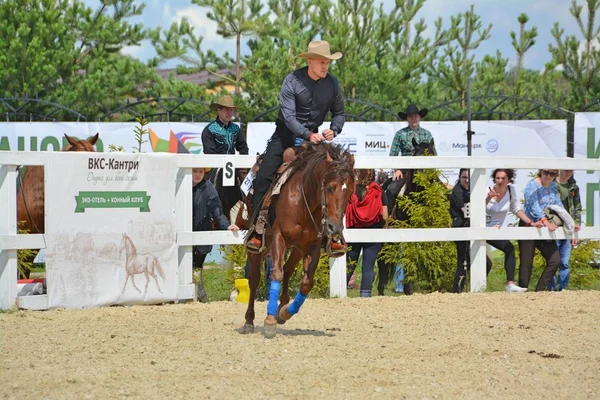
(501, 13)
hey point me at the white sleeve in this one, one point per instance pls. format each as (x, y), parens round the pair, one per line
(490, 204)
(515, 203)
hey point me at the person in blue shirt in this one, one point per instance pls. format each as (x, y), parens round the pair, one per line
(540, 193)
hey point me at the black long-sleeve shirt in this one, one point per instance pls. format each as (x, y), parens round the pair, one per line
(458, 198)
(206, 206)
(218, 138)
(305, 103)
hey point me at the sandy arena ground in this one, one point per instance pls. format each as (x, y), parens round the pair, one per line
(493, 345)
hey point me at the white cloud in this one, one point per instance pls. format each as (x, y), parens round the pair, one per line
(134, 51)
(201, 23)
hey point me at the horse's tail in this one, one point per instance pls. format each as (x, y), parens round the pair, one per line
(156, 266)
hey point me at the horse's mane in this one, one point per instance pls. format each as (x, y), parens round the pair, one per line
(310, 161)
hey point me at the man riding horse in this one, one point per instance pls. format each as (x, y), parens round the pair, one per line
(307, 96)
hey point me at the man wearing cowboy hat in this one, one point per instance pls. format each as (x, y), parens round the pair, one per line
(402, 142)
(222, 136)
(306, 97)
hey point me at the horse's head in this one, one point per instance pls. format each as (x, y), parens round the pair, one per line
(81, 145)
(338, 186)
(423, 148)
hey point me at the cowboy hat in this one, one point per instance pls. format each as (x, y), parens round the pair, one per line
(224, 101)
(413, 109)
(320, 49)
(205, 169)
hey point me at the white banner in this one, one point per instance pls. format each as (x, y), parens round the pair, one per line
(587, 145)
(539, 138)
(49, 136)
(110, 238)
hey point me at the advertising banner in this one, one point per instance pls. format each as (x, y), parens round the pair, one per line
(111, 234)
(49, 136)
(587, 145)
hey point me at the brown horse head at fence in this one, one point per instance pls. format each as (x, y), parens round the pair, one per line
(307, 215)
(30, 189)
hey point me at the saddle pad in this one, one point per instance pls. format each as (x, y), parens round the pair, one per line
(279, 183)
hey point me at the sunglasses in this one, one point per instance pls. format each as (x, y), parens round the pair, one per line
(546, 172)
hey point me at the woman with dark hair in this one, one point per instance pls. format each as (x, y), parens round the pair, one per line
(540, 193)
(367, 208)
(459, 202)
(501, 198)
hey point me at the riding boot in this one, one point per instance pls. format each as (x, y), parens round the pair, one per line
(255, 241)
(256, 238)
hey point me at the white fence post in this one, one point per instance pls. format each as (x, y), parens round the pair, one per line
(337, 274)
(183, 204)
(477, 220)
(8, 226)
(337, 277)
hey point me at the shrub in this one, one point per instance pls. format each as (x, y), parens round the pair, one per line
(429, 265)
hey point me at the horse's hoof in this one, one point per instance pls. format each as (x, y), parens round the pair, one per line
(283, 314)
(247, 328)
(270, 327)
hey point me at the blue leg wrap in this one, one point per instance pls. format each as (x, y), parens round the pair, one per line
(273, 296)
(297, 303)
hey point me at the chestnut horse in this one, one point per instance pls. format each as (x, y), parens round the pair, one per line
(30, 190)
(308, 215)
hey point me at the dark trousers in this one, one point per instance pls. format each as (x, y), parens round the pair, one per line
(510, 260)
(272, 159)
(198, 260)
(370, 252)
(385, 273)
(463, 252)
(550, 253)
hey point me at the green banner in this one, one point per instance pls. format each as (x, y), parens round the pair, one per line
(112, 200)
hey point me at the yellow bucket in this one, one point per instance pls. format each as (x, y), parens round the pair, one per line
(243, 290)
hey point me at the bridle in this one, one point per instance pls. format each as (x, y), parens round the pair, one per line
(321, 232)
(323, 208)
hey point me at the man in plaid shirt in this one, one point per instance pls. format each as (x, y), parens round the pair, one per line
(403, 139)
(402, 143)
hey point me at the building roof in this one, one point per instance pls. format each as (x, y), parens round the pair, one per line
(198, 78)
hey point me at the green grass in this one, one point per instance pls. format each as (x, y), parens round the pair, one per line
(218, 287)
(496, 280)
(216, 283)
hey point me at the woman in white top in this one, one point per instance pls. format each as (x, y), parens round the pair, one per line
(501, 198)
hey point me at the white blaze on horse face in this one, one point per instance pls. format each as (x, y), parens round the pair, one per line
(344, 187)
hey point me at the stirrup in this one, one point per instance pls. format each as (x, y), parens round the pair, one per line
(250, 242)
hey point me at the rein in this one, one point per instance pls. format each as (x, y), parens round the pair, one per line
(323, 207)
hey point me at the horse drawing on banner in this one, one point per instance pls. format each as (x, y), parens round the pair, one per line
(306, 216)
(139, 263)
(30, 190)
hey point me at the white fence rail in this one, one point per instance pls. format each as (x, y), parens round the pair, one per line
(10, 241)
